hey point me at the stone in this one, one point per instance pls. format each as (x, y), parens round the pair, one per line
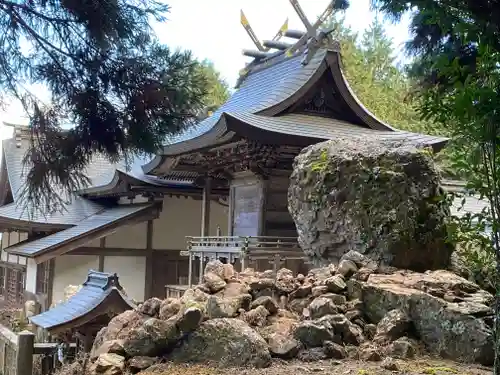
(354, 289)
(311, 355)
(268, 302)
(334, 350)
(393, 325)
(347, 268)
(283, 346)
(111, 346)
(225, 342)
(312, 334)
(285, 281)
(189, 319)
(337, 299)
(401, 191)
(169, 307)
(257, 285)
(301, 292)
(360, 260)
(457, 331)
(363, 274)
(299, 304)
(402, 348)
(151, 307)
(137, 364)
(152, 338)
(370, 354)
(336, 284)
(194, 296)
(214, 282)
(354, 315)
(228, 272)
(217, 307)
(256, 317)
(350, 333)
(109, 364)
(390, 364)
(370, 330)
(319, 290)
(322, 273)
(215, 267)
(233, 289)
(320, 307)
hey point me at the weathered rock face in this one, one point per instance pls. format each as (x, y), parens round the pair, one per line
(228, 342)
(380, 199)
(451, 315)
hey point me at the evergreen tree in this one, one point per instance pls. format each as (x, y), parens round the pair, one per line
(382, 86)
(119, 89)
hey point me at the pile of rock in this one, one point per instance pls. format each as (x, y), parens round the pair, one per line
(354, 309)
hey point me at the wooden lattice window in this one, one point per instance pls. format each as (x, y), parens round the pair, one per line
(42, 278)
(14, 286)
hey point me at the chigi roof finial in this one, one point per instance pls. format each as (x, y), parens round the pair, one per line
(314, 38)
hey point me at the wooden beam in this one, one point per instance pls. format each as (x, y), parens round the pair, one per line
(117, 251)
(148, 284)
(50, 292)
(102, 245)
(205, 217)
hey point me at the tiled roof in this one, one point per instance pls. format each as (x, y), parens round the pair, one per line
(94, 292)
(100, 172)
(473, 204)
(260, 90)
(93, 223)
(324, 128)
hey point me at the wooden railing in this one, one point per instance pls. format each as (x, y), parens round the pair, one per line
(8, 351)
(18, 351)
(245, 249)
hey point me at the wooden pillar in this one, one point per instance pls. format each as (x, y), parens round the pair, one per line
(102, 245)
(24, 355)
(205, 209)
(205, 219)
(148, 286)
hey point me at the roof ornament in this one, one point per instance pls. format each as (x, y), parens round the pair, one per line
(315, 39)
(262, 48)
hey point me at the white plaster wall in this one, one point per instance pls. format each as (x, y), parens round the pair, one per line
(31, 270)
(181, 217)
(9, 239)
(131, 273)
(71, 270)
(129, 237)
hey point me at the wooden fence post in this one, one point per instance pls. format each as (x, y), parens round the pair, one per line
(24, 354)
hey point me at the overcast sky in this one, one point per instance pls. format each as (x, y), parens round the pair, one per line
(212, 30)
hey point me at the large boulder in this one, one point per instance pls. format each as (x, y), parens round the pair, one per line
(451, 315)
(382, 199)
(227, 342)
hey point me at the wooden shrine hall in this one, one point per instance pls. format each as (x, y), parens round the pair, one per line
(291, 95)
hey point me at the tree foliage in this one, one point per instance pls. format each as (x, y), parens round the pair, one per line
(119, 89)
(383, 85)
(457, 48)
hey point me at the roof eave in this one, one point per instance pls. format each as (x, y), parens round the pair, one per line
(112, 301)
(50, 252)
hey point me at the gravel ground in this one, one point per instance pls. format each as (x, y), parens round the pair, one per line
(345, 367)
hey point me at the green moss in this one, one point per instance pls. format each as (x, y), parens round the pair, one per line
(438, 370)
